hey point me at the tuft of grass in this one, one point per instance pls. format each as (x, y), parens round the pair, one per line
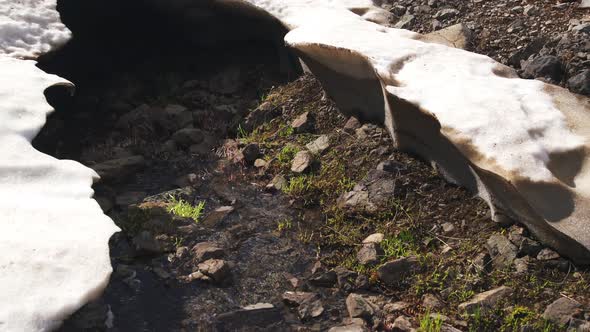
(298, 185)
(401, 245)
(284, 224)
(428, 323)
(181, 208)
(287, 154)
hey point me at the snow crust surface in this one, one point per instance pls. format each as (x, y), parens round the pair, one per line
(53, 235)
(29, 28)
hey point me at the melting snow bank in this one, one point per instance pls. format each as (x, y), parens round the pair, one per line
(520, 144)
(53, 235)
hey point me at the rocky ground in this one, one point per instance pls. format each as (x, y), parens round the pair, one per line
(250, 203)
(543, 39)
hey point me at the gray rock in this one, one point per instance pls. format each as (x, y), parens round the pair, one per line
(447, 13)
(320, 145)
(188, 136)
(582, 28)
(359, 307)
(303, 123)
(362, 282)
(502, 251)
(458, 36)
(119, 169)
(396, 306)
(345, 279)
(393, 272)
(263, 113)
(486, 300)
(310, 309)
(531, 10)
(580, 83)
(402, 324)
(584, 4)
(218, 215)
(207, 250)
(547, 254)
(187, 180)
(483, 262)
(521, 265)
(529, 247)
(176, 117)
(546, 66)
(430, 301)
(405, 22)
(105, 203)
(524, 53)
(277, 183)
(216, 269)
(348, 328)
(374, 238)
(302, 162)
(370, 194)
(369, 254)
(296, 298)
(561, 311)
(448, 227)
(143, 114)
(399, 10)
(351, 125)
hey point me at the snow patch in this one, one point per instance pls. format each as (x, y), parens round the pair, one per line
(29, 28)
(53, 235)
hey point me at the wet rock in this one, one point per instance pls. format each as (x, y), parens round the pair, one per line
(502, 251)
(546, 66)
(277, 183)
(251, 152)
(176, 117)
(187, 180)
(254, 317)
(359, 307)
(130, 198)
(402, 324)
(216, 269)
(393, 272)
(351, 125)
(324, 279)
(304, 123)
(430, 301)
(369, 254)
(207, 250)
(119, 169)
(486, 300)
(447, 13)
(146, 242)
(302, 162)
(580, 83)
(547, 254)
(262, 114)
(405, 22)
(391, 166)
(188, 136)
(105, 203)
(320, 145)
(227, 81)
(218, 216)
(374, 238)
(561, 311)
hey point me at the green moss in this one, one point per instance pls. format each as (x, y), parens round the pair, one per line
(183, 209)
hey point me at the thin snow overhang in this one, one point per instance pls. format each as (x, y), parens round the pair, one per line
(53, 235)
(519, 144)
